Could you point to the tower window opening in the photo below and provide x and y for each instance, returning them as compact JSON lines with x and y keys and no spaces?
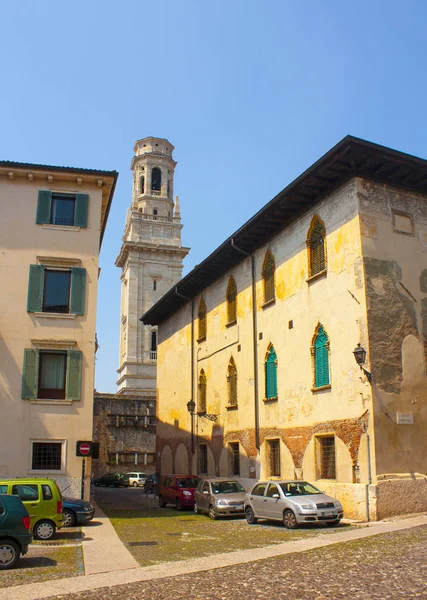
{"x":141,"y":184}
{"x":155,"y":213}
{"x":154,"y":285}
{"x":154,"y":341}
{"x":156,"y":179}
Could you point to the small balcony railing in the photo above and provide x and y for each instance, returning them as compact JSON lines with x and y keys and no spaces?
{"x":132,"y":421}
{"x":153,"y":355}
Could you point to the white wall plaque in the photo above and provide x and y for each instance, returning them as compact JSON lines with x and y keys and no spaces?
{"x":405,"y":418}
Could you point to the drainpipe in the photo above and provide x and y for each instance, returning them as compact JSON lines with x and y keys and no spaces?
{"x":368,"y":442}
{"x":255,"y":345}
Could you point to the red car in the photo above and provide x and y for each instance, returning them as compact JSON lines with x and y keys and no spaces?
{"x":178,"y":490}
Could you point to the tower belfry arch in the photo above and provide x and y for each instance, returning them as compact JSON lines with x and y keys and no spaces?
{"x":150,"y":258}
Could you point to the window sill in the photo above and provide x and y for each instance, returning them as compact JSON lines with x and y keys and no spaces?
{"x":49,"y":315}
{"x":52,"y":401}
{"x":318,"y":275}
{"x":321,"y":388}
{"x":202,"y":339}
{"x":231,"y":323}
{"x":61,"y":227}
{"x":269,"y":303}
{"x":231,"y":407}
{"x":270,"y":400}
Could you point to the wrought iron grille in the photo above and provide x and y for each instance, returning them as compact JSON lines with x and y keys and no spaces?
{"x":274,"y":447}
{"x":326,"y":457}
{"x":46,"y":456}
{"x":235,"y":458}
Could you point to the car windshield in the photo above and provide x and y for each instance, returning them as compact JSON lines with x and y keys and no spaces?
{"x":300,"y":488}
{"x":226,"y":487}
{"x":188,"y":482}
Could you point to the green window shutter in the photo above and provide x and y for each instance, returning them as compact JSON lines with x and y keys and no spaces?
{"x":43,"y":207}
{"x":35,"y":288}
{"x":77,"y":293}
{"x":271,"y":375}
{"x":74,"y":375}
{"x":321,"y":359}
{"x":81,"y":210}
{"x":30,"y":373}
{"x":325,"y":365}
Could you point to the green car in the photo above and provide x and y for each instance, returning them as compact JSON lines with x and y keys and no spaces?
{"x":43,"y":501}
{"x":15,"y":533}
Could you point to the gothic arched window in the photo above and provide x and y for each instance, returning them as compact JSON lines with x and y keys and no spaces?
{"x":156,"y":179}
{"x":270,"y":373}
{"x":141,"y":184}
{"x":202,"y":319}
{"x":231,"y":301}
{"x":201,"y":398}
{"x":316,"y":242}
{"x":320,"y":354}
{"x":268,"y":270}
{"x":232,"y":383}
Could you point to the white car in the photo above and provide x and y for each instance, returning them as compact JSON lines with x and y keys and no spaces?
{"x":136,"y":479}
{"x":293,"y":503}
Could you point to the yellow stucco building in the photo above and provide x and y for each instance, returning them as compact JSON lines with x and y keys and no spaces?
{"x":53,"y":221}
{"x":261,"y":337}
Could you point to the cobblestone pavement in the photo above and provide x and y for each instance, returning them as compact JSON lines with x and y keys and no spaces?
{"x":390,"y":566}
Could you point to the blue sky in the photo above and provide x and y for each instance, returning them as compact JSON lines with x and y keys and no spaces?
{"x":249,"y":93}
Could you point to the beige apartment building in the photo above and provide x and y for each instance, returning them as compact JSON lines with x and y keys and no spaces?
{"x":53,"y":221}
{"x":256,"y":369}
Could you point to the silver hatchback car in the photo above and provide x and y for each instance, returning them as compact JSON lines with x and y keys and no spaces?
{"x":293,"y":502}
{"x":219,"y":497}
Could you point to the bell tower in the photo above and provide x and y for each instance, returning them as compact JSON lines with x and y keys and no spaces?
{"x":150,"y":258}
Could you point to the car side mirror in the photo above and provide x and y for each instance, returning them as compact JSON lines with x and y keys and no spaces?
{"x":276,"y":496}
{"x":206,"y":493}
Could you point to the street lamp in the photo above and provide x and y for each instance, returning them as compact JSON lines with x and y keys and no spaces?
{"x":191,"y":407}
{"x":360,"y":357}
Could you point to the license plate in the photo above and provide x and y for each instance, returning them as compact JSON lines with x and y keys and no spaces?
{"x":327,"y":513}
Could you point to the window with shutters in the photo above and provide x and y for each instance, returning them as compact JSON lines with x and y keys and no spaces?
{"x":325,"y":457}
{"x":232,"y":384}
{"x":201,"y":314}
{"x":56,"y":290}
{"x":231,"y":301}
{"x":271,"y":374}
{"x":320,"y":355}
{"x":67,"y":210}
{"x":268,"y":271}
{"x":201,"y":397}
{"x":316,"y":247}
{"x":51,"y":374}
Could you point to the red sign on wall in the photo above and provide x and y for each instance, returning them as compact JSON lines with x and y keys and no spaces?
{"x":84,"y":449}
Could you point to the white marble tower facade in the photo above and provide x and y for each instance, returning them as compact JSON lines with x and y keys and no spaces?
{"x":151,"y":261}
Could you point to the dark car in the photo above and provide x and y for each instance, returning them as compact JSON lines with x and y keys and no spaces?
{"x":113,"y":479}
{"x":178,"y":490}
{"x":15,"y":533}
{"x":76,"y":512}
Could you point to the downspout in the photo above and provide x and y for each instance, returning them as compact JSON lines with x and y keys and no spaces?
{"x":192,"y":361}
{"x":255,"y":345}
{"x":368,"y":447}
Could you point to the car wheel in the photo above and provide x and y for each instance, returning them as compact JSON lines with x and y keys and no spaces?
{"x":332,"y":523}
{"x":212,"y":513}
{"x":9,"y":554}
{"x":135,"y":484}
{"x":69,"y":518}
{"x":162,"y":502}
{"x":178,"y":504}
{"x":289,"y":520}
{"x":196,"y":508}
{"x":250,"y":516}
{"x":44,"y":530}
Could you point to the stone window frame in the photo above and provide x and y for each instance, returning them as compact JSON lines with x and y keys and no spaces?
{"x":402,"y":213}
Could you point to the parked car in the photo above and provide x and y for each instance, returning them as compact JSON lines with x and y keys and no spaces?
{"x":293,"y":502}
{"x":112,"y":479}
{"x":43,"y":500}
{"x":15,"y":534}
{"x":76,"y":512}
{"x":178,"y":490}
{"x":219,"y":497}
{"x":137,"y":479}
{"x":150,"y":484}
